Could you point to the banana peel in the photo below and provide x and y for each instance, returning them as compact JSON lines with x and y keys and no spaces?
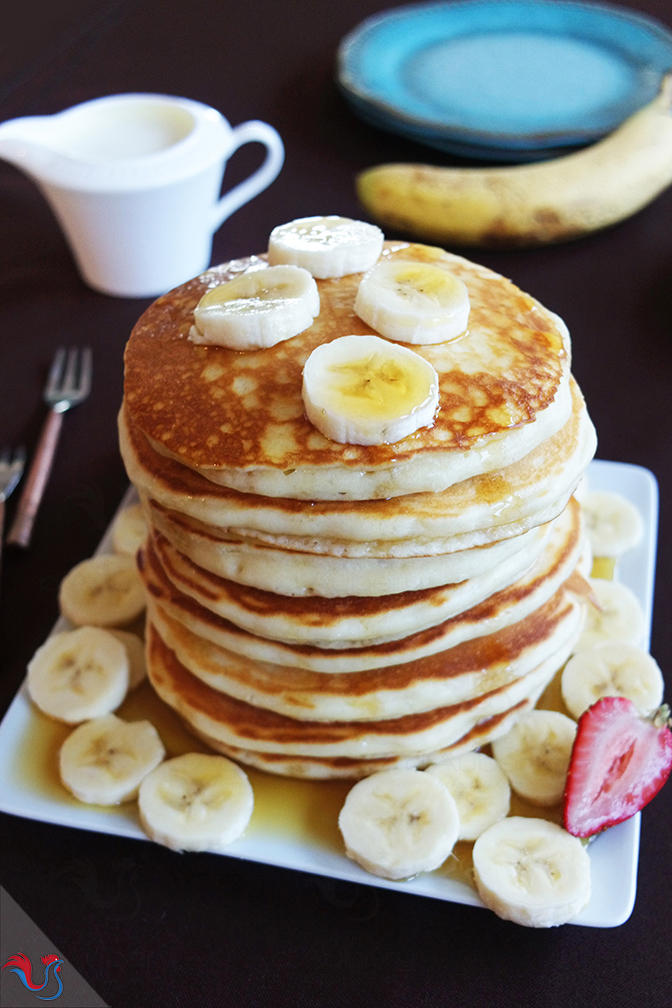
{"x":520,"y":206}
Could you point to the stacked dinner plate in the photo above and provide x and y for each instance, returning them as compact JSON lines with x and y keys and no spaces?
{"x":325,"y":609}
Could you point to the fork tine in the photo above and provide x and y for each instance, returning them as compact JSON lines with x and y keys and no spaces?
{"x":68,"y":385}
{"x":10,"y":472}
{"x":85,"y":372}
{"x":68,"y":382}
{"x":55,"y":372}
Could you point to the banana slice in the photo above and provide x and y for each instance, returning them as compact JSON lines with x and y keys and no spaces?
{"x":397,"y":823}
{"x":103,"y":761}
{"x":135,"y":652}
{"x":619,"y":617}
{"x":480,"y":789}
{"x":532,"y":872}
{"x":534,"y":755}
{"x":196,"y":802}
{"x":129,"y":530}
{"x":78,"y":675}
{"x":612,"y":668}
{"x":413,"y":302}
{"x":364,"y":390}
{"x":613,"y":524}
{"x":257,"y":309}
{"x":326,"y":246}
{"x":103,"y":591}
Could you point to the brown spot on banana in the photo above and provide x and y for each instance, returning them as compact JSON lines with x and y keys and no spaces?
{"x":530,"y":204}
{"x":548,"y":228}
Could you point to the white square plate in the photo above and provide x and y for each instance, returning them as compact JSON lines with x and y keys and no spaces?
{"x":294,"y":822}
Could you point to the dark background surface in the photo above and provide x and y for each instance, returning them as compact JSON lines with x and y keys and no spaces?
{"x":147,"y":927}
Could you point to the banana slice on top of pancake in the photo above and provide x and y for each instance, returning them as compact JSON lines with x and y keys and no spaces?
{"x":257,"y":309}
{"x":326,"y":246}
{"x":365,"y":390}
{"x":413,"y":302}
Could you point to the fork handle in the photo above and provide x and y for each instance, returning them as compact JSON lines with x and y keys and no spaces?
{"x":2,"y":526}
{"x":33,"y":488}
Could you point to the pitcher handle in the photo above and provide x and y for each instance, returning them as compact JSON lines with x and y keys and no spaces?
{"x":249,"y":132}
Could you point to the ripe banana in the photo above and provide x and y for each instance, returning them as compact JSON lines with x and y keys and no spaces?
{"x":103,"y":761}
{"x":196,"y":802}
{"x":397,"y":823}
{"x":612,"y":668}
{"x":530,"y":204}
{"x":257,"y":309}
{"x":413,"y":302}
{"x":103,"y":591}
{"x":480,"y":789}
{"x":534,"y":755}
{"x":532,"y":872}
{"x":326,"y":246}
{"x":366,"y":390}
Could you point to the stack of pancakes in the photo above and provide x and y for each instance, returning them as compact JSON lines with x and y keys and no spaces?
{"x":319,"y":609}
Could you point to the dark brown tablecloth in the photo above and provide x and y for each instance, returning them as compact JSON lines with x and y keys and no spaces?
{"x":145,"y":926}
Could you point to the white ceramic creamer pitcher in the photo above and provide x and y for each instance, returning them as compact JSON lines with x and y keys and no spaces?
{"x":135,"y":181}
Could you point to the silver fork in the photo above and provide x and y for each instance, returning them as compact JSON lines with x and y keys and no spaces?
{"x":11,"y":470}
{"x":68,"y":385}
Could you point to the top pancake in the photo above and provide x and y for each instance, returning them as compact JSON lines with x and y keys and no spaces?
{"x":238,"y":417}
{"x":492,"y":506}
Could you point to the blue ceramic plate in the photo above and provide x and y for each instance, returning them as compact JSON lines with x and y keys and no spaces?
{"x":503,"y":78}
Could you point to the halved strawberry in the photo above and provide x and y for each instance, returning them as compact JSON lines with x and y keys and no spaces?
{"x":619,"y":761}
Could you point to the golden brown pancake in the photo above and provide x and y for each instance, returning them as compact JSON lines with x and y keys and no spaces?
{"x":478,"y":510}
{"x":447,"y":677}
{"x":293,"y":572}
{"x":243,"y":725}
{"x":239,"y":419}
{"x":343,"y":767}
{"x":417,"y":623}
{"x":321,"y":609}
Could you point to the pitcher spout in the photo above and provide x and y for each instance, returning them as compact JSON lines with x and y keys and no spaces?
{"x":22,"y":142}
